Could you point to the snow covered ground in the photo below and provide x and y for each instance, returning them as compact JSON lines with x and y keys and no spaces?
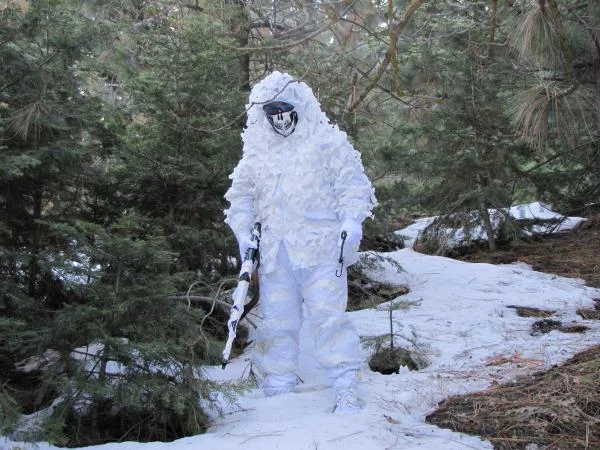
{"x":460,"y":321}
{"x":535,"y":210}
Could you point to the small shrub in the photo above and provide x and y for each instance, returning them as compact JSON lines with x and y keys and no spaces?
{"x":388,"y":360}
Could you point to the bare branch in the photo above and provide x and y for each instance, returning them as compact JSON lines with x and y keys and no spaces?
{"x":395,"y":31}
{"x":311,"y":34}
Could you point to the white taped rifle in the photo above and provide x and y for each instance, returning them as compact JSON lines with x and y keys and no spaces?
{"x":241,"y":291}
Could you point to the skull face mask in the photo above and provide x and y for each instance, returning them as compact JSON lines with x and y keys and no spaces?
{"x":282,"y":117}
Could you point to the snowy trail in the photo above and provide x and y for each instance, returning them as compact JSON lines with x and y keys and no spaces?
{"x":462,"y":323}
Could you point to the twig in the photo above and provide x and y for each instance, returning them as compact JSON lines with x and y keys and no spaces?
{"x":339,"y":438}
{"x":286,"y":46}
{"x":199,"y":299}
{"x":239,"y":116}
{"x":260,"y":436}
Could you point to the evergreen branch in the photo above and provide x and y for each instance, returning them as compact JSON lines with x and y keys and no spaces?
{"x":365,"y":29}
{"x":562,"y":39}
{"x":439,"y":37}
{"x":552,"y":158}
{"x":594,"y":32}
{"x":8,"y":39}
{"x":43,"y":63}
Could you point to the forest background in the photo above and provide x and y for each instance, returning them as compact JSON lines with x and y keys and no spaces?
{"x":120,"y":122}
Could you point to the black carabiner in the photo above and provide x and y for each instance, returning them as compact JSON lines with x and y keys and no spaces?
{"x":338,"y":273}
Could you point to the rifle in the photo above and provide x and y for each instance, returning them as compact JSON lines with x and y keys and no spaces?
{"x":239,"y":294}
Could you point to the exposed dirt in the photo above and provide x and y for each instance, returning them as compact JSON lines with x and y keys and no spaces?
{"x":556,"y":409}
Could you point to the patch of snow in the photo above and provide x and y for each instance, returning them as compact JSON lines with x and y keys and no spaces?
{"x":460,"y":320}
{"x":535,"y":210}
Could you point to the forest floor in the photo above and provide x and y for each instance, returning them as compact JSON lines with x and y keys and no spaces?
{"x":552,"y":410}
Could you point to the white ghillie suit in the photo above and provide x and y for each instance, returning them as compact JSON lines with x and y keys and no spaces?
{"x":304,"y":189}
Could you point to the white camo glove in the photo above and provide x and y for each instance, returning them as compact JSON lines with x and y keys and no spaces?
{"x":353,"y":230}
{"x":245,"y":242}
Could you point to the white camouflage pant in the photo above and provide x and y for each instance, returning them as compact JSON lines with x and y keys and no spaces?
{"x":324,"y":295}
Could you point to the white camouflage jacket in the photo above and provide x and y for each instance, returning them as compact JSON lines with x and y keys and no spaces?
{"x":301,"y":187}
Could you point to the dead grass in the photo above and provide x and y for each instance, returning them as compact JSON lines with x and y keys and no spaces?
{"x":556,"y":409}
{"x":589,"y":314}
{"x":528,"y":311}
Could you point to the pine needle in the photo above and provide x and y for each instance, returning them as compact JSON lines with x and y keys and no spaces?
{"x":538,"y":39}
{"x":554,"y":111}
{"x":29,"y":120}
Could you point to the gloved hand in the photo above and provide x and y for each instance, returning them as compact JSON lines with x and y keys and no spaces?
{"x":353,"y":230}
{"x":245,"y":242}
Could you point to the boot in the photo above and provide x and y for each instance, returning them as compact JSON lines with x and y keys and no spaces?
{"x":279,"y":384}
{"x":346,"y":393}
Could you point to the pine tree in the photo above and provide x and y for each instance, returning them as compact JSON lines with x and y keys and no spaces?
{"x":464,"y":152}
{"x":557,"y":110}
{"x":44,"y":120}
{"x":108,"y":209}
{"x":46,"y":152}
{"x":184,"y":139}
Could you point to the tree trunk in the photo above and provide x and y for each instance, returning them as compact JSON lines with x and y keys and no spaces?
{"x":35,"y":247}
{"x":492,"y":29}
{"x":485,"y":217}
{"x":240,"y":30}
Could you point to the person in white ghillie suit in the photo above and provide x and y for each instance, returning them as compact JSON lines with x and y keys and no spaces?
{"x":305,"y":183}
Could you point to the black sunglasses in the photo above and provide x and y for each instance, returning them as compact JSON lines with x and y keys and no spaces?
{"x":277,"y":107}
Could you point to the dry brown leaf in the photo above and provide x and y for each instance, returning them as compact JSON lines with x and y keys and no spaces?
{"x":390,"y":419}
